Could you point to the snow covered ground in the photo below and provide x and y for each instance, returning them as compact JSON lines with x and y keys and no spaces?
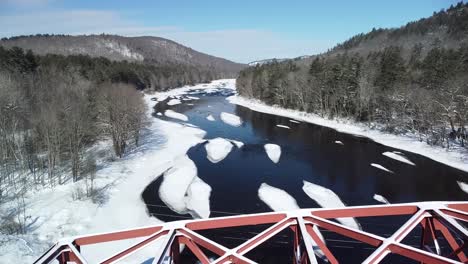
{"x":56,"y":214}
{"x":456,"y":157}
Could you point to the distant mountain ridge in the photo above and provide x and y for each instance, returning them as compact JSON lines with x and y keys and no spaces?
{"x":146,"y":49}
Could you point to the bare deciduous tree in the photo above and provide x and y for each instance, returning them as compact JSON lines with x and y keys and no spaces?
{"x":122,"y":114}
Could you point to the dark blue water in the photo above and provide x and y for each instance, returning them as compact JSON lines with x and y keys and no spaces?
{"x":309,"y":153}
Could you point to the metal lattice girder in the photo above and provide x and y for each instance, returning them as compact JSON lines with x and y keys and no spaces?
{"x":434,"y":218}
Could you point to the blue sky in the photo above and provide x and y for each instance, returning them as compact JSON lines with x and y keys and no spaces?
{"x":239,"y":30}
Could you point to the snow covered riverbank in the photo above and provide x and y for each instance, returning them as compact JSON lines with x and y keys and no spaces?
{"x":455,"y":157}
{"x":55,"y":214}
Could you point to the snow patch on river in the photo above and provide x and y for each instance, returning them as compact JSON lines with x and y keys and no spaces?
{"x":380,"y":167}
{"x":328,"y":199}
{"x":381,"y":199}
{"x":175,"y":115}
{"x":176,"y":183}
{"x":276,"y":199}
{"x":273,"y":151}
{"x":238,"y":144}
{"x":217,"y":149}
{"x":231,"y":119}
{"x":283,"y":126}
{"x":207,"y":87}
{"x":198,"y":198}
{"x":463,"y":186}
{"x":398,"y":157}
{"x":279,"y":200}
{"x":210,"y":118}
{"x":174,"y":102}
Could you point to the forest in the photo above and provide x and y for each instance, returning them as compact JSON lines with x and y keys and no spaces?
{"x":404,"y":80}
{"x":53,"y":108}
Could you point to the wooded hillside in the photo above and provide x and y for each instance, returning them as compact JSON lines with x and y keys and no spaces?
{"x":410,"y":79}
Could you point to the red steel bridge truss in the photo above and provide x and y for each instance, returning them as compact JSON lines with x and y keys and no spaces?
{"x":435,"y":222}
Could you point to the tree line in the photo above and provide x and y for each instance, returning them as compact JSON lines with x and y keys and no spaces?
{"x":53,"y":108}
{"x":422,"y":93}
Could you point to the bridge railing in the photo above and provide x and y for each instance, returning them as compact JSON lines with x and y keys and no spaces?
{"x":437,"y":221}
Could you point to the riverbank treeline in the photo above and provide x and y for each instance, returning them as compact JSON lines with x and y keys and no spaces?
{"x":411,"y":79}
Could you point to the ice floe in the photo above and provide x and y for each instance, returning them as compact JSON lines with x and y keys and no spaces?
{"x":159,"y":114}
{"x":276,"y":199}
{"x":210,"y":118}
{"x":183,"y":192}
{"x":231,"y":119}
{"x":217,"y":149}
{"x":273,"y":151}
{"x":279,"y":200}
{"x":283,"y":126}
{"x":176,"y":182}
{"x":175,"y":115}
{"x":378,"y":166}
{"x":463,"y":186}
{"x":381,"y":199}
{"x":339,"y":142}
{"x":189,"y":125}
{"x":294,"y":121}
{"x":173,"y":102}
{"x":198,"y":198}
{"x":399,"y":157}
{"x":238,"y":144}
{"x":328,"y":199}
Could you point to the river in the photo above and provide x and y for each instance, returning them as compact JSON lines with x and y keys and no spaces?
{"x":320,"y":155}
